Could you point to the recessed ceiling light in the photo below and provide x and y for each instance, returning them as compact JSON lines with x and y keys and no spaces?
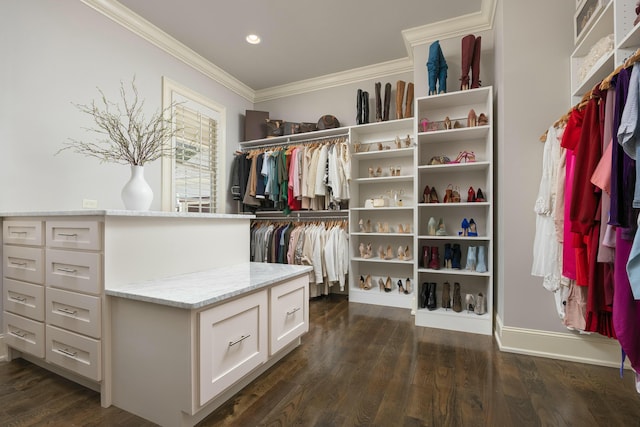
{"x":253,"y":39}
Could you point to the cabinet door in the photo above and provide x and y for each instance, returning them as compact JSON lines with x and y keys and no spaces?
{"x":24,"y":334}
{"x":22,"y":232}
{"x":74,"y":235}
{"x":233,"y":341}
{"x":24,"y":299}
{"x":289,"y":313}
{"x":24,"y":263}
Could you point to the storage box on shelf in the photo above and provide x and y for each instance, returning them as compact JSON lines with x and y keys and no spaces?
{"x":457,"y":161}
{"x":381,"y":213}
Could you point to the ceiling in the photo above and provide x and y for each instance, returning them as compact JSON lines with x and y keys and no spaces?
{"x":301,"y":39}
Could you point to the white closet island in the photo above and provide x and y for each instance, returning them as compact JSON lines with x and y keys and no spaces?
{"x":161,"y":312}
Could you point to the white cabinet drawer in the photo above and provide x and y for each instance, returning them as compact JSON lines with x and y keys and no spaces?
{"x":233,"y":342}
{"x":75,"y":271}
{"x":74,"y":352}
{"x":24,"y":263}
{"x":74,"y":235}
{"x":24,"y":334}
{"x":289,"y":312}
{"x":24,"y":299}
{"x":76,"y":312}
{"x":22,"y":232}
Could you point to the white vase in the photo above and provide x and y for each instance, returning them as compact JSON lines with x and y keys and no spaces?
{"x":136,"y":193}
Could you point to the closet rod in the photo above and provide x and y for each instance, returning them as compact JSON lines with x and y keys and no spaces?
{"x":299,"y":218}
{"x":300,"y":141}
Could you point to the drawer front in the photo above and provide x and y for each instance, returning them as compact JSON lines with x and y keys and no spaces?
{"x":24,"y":299}
{"x":233,"y":341}
{"x":22,"y":233}
{"x":74,"y":352}
{"x":74,"y":235}
{"x":77,"y":312}
{"x":24,"y":334}
{"x":24,"y":263}
{"x":289,"y":312}
{"x":74,"y":271}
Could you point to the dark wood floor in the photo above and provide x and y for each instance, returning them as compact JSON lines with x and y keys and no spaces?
{"x":368,"y":365}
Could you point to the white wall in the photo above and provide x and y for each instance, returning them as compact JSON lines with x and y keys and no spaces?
{"x":56,"y":53}
{"x":533,"y":45}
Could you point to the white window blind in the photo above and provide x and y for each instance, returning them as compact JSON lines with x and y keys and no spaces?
{"x":196,"y":161}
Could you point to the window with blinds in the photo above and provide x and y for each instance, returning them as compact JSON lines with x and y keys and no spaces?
{"x":196,"y":161}
{"x":193,"y":177}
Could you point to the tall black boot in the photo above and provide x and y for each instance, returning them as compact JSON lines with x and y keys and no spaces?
{"x":432,"y":303}
{"x":359,"y":107}
{"x":424,"y":294}
{"x":387,"y":102}
{"x":378,"y":102}
{"x":365,"y":107}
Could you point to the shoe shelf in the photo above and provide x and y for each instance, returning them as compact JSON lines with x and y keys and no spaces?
{"x":383,"y":168}
{"x":470,"y":148}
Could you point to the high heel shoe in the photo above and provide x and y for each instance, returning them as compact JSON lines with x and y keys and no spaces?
{"x":426,"y":194}
{"x":483,"y":120}
{"x":471,"y":195}
{"x":400,"y":287}
{"x":389,"y":252}
{"x":401,"y":253}
{"x":455,"y":195}
{"x":447,"y":123}
{"x":381,"y":284}
{"x":387,"y":285}
{"x":367,"y":282}
{"x":407,"y":286}
{"x":472,"y":119}
{"x":369,"y":252}
{"x":473,"y":230}
{"x":361,"y":283}
{"x":407,"y":253}
{"x":469,"y":157}
{"x":361,"y":225}
{"x":481,"y":266}
{"x":441,"y":231}
{"x":480,"y":196}
{"x":381,"y":253}
{"x":448,"y":194}
{"x":481,"y":304}
{"x":433,"y":196}
{"x":362,"y":250}
{"x":465,"y":228}
{"x":470,"y":303}
{"x":431,"y":227}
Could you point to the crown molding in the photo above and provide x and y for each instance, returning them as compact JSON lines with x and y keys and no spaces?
{"x":354,"y":75}
{"x":451,"y":28}
{"x":143,"y":28}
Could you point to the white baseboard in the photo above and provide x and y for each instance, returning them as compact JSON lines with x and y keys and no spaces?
{"x":572,"y":346}
{"x":4,"y":352}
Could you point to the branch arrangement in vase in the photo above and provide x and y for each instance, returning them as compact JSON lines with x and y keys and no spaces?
{"x":127,"y":136}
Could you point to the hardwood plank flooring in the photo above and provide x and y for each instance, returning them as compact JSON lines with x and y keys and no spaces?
{"x":364,"y":365}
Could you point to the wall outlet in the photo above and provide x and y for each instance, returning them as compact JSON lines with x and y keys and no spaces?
{"x":89,"y":204}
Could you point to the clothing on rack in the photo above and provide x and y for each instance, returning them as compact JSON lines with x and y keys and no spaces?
{"x":322,"y":245}
{"x":599,"y":267}
{"x":314,"y":175}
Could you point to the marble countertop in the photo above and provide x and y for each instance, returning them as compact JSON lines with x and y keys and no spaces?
{"x":199,"y":289}
{"x":115,"y":212}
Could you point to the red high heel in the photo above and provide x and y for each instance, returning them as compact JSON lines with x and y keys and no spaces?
{"x":471,"y":195}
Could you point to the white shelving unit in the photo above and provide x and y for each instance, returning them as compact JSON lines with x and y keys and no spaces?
{"x":615,"y":17}
{"x":460,"y":176}
{"x":397,"y":211}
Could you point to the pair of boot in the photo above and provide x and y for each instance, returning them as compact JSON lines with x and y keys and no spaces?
{"x":452,"y":256}
{"x":382,"y":115}
{"x":428,"y":296}
{"x":400,"y":85}
{"x":362,"y":109}
{"x":430,"y":257}
{"x":471,"y":47}
{"x":477,"y":259}
{"x":436,"y":69}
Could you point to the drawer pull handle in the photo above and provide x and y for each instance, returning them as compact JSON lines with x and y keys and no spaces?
{"x":68,"y":234}
{"x":289,"y":313}
{"x":18,"y":334}
{"x":18,"y":232}
{"x":68,"y":352}
{"x":19,"y":264}
{"x":67,"y":311}
{"x":242,"y":338}
{"x":67,"y":270}
{"x":18,"y":299}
